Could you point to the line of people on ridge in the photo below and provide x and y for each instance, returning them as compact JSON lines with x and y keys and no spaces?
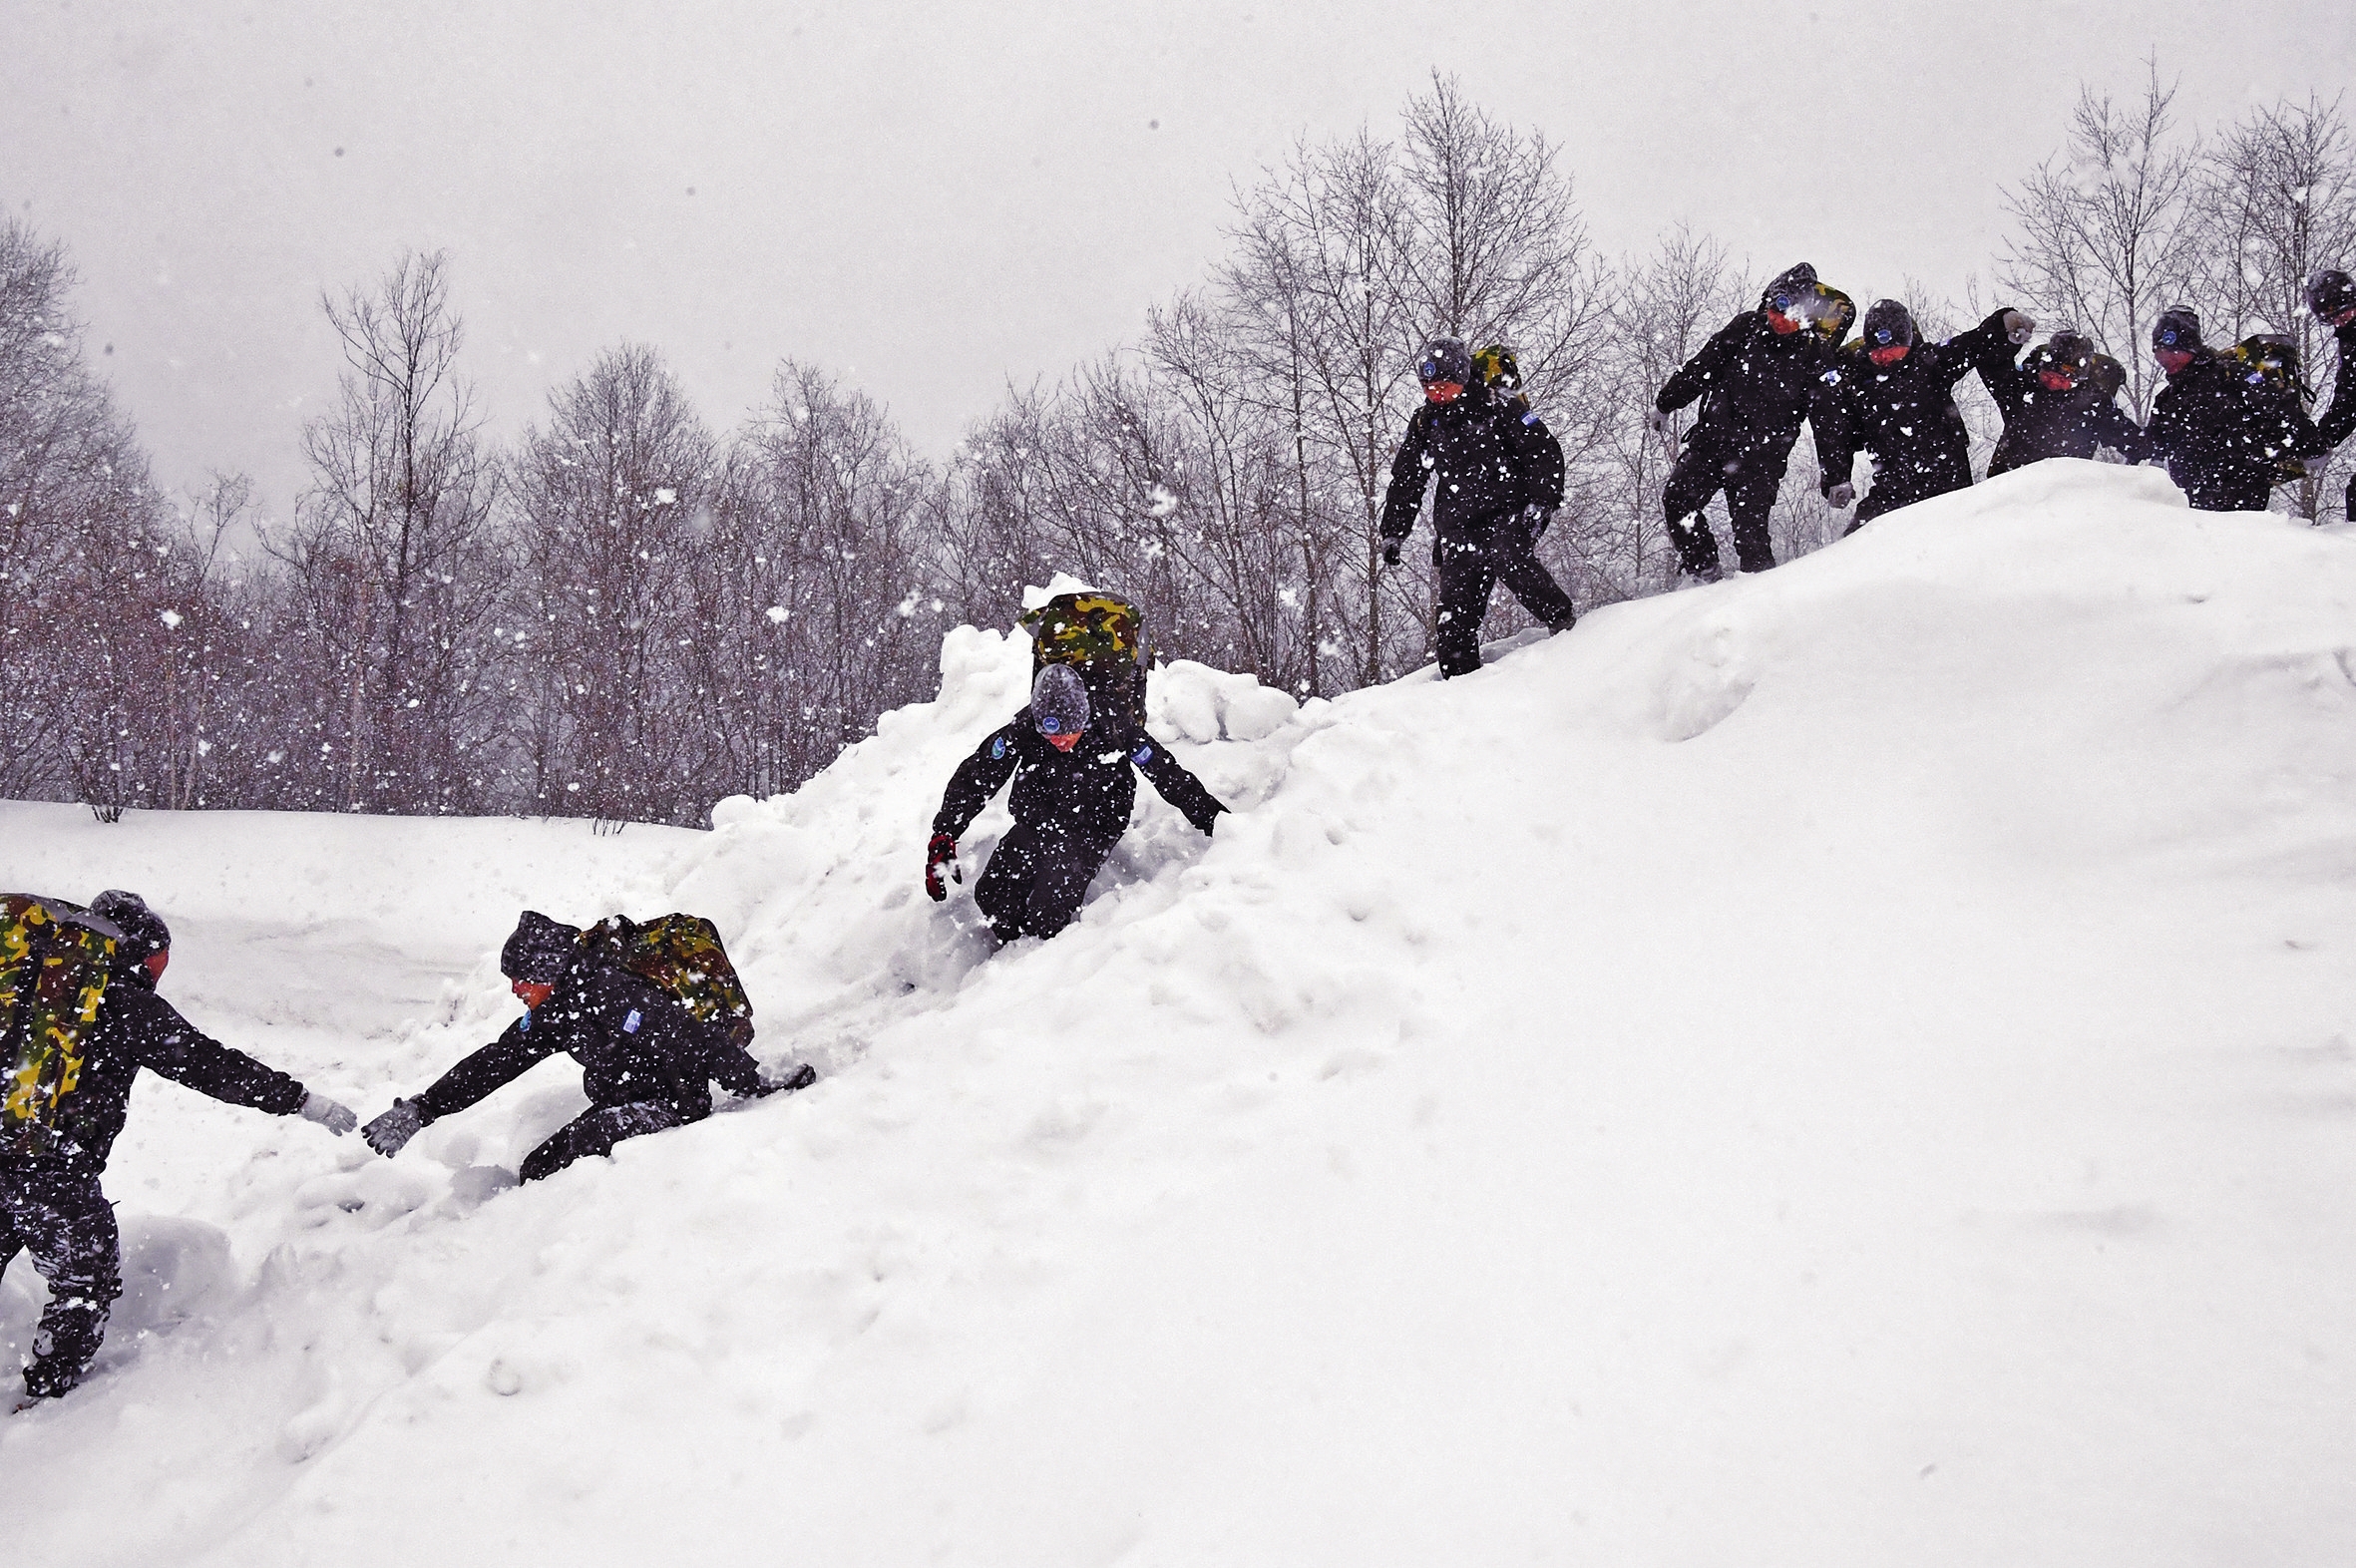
{"x":2230,"y":424}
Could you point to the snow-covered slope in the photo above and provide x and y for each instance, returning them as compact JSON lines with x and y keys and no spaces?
{"x":1848,"y":1066}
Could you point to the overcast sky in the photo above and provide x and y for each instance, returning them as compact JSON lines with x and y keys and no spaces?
{"x":934,"y":201}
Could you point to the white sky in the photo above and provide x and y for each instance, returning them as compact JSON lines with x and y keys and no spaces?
{"x":935,"y":199}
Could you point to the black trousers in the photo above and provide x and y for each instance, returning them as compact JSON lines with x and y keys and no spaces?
{"x":1750,"y":483}
{"x":68,"y":1226}
{"x":1038,"y":876}
{"x":1472,"y":561}
{"x":2241,"y":492}
{"x":596,"y":1131}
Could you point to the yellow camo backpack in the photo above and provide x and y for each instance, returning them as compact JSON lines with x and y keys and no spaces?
{"x":1101,"y":636}
{"x":54,"y":961}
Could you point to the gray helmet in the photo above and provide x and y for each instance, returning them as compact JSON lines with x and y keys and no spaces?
{"x":1060,"y":701}
{"x":1444,"y":359}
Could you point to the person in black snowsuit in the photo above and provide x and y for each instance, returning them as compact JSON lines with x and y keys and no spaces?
{"x":1759,"y":378}
{"x":1895,"y":398}
{"x":50,"y":1202}
{"x":647,"y":1063}
{"x":1498,"y":474}
{"x":1075,"y":782}
{"x":2061,"y":401}
{"x":2228,"y":437}
{"x":2332,"y":296}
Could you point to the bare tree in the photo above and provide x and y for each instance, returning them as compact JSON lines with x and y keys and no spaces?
{"x":2279,"y":203}
{"x":398,"y":516}
{"x":2109,"y":228}
{"x":603,"y":499}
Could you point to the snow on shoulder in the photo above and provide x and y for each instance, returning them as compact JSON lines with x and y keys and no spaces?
{"x":1845,"y":1065}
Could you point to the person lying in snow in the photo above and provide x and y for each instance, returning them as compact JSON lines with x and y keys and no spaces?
{"x":1074,"y":784}
{"x":51,"y":1204}
{"x":646,"y":1062}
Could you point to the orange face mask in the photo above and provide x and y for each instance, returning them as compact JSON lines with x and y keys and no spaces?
{"x":1444,"y":391}
{"x":2057,"y":380}
{"x":1888,"y":355}
{"x":1783,"y":324}
{"x":1063,"y":742}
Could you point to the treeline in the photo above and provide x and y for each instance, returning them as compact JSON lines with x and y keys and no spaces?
{"x":626,"y":615}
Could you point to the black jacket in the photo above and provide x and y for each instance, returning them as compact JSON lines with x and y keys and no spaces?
{"x":2340,"y":420}
{"x":1489,"y":455}
{"x":633,"y":1039}
{"x":1091,"y":787}
{"x":1905,"y":415}
{"x":2040,"y":424}
{"x":1757,"y":386}
{"x":2228,"y":440}
{"x":137,"y":1028}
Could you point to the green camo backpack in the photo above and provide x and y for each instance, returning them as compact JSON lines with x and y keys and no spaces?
{"x":683,"y":955}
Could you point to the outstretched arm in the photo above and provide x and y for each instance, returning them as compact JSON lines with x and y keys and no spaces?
{"x":501,"y":1062}
{"x":978,"y":778}
{"x":170,"y":1045}
{"x":1176,"y":785}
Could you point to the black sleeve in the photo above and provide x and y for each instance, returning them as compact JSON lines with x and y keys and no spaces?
{"x":2166,"y":430}
{"x":164,"y":1042}
{"x":2006,"y":382}
{"x":1700,"y":373}
{"x":2340,"y":420}
{"x":2114,"y":428}
{"x":1968,"y":352}
{"x":1541,"y":459}
{"x":504,"y":1060}
{"x":978,"y":778}
{"x":1174,"y":783}
{"x":1833,"y":422}
{"x":1409,"y":472}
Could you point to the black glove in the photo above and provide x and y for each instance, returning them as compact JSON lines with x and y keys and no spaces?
{"x":1391,"y":552}
{"x":800,"y":1078}
{"x":1537,"y":519}
{"x":943,"y":851}
{"x":389,"y":1132}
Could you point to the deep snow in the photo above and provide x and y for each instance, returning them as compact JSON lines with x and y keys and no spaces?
{"x":1846,"y":1067}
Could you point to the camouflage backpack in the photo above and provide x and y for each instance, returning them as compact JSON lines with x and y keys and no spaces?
{"x":2268,"y":359}
{"x":55,"y":959}
{"x":1103,"y":637}
{"x":682,"y":955}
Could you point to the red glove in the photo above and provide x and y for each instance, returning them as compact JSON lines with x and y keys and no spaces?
{"x":943,"y":851}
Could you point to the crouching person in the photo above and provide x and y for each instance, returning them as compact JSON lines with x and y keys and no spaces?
{"x":647,"y":1062}
{"x":1075,"y":782}
{"x":79,"y":1018}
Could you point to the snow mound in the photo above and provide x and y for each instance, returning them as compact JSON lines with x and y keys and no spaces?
{"x":1848,"y":1065}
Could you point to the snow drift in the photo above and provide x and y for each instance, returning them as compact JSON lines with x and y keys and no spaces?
{"x":1845,"y":1066}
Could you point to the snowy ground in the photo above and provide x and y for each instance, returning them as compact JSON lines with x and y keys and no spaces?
{"x":1849,"y":1066}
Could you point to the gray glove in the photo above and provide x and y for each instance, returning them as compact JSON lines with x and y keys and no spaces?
{"x":2316,"y":465}
{"x":389,"y":1132}
{"x":337,"y":1118}
{"x":1843,"y":495}
{"x":2018,"y":328}
{"x":2109,"y":455}
{"x":1537,"y":519}
{"x":1656,"y":422}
